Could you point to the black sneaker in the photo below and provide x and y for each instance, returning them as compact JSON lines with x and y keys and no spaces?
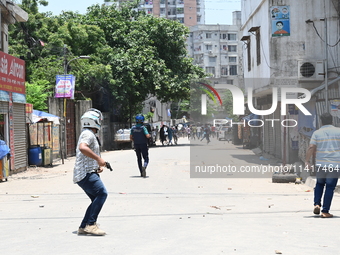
{"x":143,"y":172}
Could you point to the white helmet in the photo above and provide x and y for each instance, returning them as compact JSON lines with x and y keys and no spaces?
{"x":92,"y":118}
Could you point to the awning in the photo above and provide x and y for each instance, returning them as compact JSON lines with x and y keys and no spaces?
{"x":254,"y":117}
{"x":40,"y":115}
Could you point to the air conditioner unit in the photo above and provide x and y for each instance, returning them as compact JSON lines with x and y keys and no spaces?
{"x":311,"y":70}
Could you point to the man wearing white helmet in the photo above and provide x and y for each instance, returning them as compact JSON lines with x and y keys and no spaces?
{"x":87,"y":167}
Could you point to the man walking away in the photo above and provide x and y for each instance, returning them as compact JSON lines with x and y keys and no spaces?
{"x":325,"y":142}
{"x":140,"y":135}
{"x":86,"y":171}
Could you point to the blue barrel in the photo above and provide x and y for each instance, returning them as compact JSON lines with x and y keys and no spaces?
{"x":34,"y":156}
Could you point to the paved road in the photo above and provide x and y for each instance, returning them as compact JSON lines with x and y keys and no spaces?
{"x":166,"y":213}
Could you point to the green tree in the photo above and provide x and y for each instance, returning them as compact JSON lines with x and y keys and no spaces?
{"x":37,"y":94}
{"x":149,"y":56}
{"x":133,"y":55}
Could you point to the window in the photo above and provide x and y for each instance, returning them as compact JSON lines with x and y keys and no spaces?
{"x":223,"y":36}
{"x":208,"y":47}
{"x":180,"y":20}
{"x":258,"y":46}
{"x":232,"y":48}
{"x":212,"y":59}
{"x":256,"y":31}
{"x":199,"y":59}
{"x":197,"y":48}
{"x":198,"y":9}
{"x":231,"y":37}
{"x":224,"y":47}
{"x":224,"y":70}
{"x":180,"y":10}
{"x":162,"y":10}
{"x":231,"y":82}
{"x":248,"y":55}
{"x":198,"y":18}
{"x":232,"y":59}
{"x":233,"y":70}
{"x":208,"y":35}
{"x":210,"y":70}
{"x":246,"y":41}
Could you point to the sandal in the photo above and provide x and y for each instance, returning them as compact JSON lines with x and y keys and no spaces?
{"x":326,"y":215}
{"x":316,"y":209}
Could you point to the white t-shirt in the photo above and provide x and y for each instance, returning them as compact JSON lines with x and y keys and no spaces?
{"x":84,"y":164}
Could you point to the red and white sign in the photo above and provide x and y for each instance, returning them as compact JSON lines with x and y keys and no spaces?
{"x":12,"y":74}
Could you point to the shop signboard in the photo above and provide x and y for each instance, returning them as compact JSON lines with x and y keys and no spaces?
{"x":12,"y":74}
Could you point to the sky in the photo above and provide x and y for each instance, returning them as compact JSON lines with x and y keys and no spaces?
{"x":216,"y":11}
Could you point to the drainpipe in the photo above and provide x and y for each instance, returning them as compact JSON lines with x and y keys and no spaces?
{"x":326,"y":64}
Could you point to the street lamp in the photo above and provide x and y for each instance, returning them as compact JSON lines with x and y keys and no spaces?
{"x":80,"y":57}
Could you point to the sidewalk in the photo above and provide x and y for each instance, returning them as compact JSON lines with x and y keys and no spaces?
{"x":166,"y":213}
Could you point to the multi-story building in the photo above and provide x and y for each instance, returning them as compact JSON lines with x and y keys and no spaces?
{"x":291,"y":44}
{"x":217,"y":48}
{"x":187,"y":12}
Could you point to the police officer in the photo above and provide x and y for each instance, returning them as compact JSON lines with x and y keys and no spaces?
{"x":140,"y":135}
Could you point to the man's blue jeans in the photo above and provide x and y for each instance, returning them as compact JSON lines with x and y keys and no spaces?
{"x":142,"y":150}
{"x":329,"y":179}
{"x":95,"y":190}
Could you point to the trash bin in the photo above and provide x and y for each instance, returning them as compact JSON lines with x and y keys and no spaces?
{"x":47,"y":156}
{"x":34,"y":155}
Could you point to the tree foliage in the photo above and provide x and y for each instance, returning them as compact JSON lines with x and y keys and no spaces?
{"x":133,"y":55}
{"x":37,"y":94}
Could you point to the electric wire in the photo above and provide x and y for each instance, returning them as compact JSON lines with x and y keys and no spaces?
{"x":318,"y":34}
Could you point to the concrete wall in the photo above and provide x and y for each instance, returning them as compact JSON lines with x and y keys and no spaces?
{"x":281,"y":55}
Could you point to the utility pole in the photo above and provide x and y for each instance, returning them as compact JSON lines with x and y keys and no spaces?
{"x":326,"y":65}
{"x":63,"y":122}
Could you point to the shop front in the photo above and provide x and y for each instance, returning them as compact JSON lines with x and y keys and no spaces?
{"x":12,"y":114}
{"x":43,"y":139}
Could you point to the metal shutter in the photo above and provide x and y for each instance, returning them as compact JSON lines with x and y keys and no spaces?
{"x":20,"y":144}
{"x":3,"y":107}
